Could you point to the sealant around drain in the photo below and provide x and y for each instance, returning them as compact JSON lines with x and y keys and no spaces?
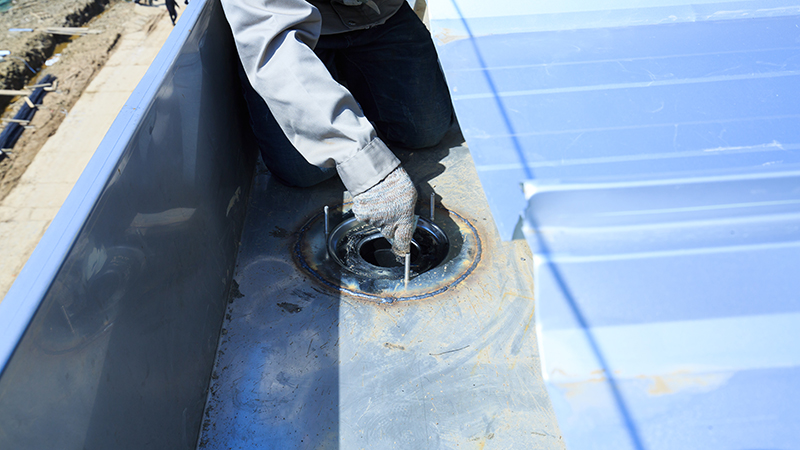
{"x":354,"y":258}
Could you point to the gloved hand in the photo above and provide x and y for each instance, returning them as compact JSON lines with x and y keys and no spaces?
{"x":389,"y":207}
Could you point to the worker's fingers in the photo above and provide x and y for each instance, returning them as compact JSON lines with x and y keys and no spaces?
{"x":403,"y":232}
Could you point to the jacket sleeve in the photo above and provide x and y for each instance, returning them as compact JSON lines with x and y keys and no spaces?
{"x":320,"y":117}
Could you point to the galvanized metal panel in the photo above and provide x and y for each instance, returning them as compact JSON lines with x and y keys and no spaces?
{"x":658,"y":145}
{"x":114,"y":321}
{"x":303,"y":366}
{"x":666,"y":318}
{"x":688,"y":96}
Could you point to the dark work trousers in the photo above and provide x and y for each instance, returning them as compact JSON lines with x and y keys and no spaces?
{"x":393,"y":72}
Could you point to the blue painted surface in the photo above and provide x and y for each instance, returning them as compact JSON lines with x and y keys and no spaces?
{"x":680,"y":298}
{"x":454,"y":19}
{"x":626,"y":103}
{"x":657,"y":148}
{"x":725,"y":410}
{"x":108,"y":335}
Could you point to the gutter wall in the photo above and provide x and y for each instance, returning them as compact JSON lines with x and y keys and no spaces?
{"x":110,"y":331}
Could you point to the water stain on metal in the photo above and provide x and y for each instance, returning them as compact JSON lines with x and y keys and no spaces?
{"x":449,"y":351}
{"x":447,"y":35}
{"x":389,"y":345}
{"x":577,"y":388}
{"x":290,"y":308}
{"x":308,"y":296}
{"x":234,"y":292}
{"x":280,"y":233}
{"x":685,"y":381}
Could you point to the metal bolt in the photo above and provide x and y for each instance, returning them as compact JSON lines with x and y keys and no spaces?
{"x":433,"y":199}
{"x":408,"y":268}
{"x":327,"y":232}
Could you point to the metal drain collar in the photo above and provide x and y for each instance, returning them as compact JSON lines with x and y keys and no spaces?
{"x":355,"y":259}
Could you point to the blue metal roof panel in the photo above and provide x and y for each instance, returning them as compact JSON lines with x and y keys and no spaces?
{"x":714,"y":410}
{"x":609,"y":103}
{"x":658,"y":149}
{"x":655,"y":294}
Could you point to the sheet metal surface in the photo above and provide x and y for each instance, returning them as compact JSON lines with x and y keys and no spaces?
{"x":121,"y":302}
{"x":671,"y":96}
{"x":300,"y":366}
{"x":666,"y":319}
{"x":658,"y":147}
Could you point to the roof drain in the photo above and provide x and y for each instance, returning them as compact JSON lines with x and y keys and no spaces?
{"x":356,"y":259}
{"x":361,"y":249}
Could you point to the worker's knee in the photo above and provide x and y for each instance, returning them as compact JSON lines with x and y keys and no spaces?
{"x":423,"y":140}
{"x":425,"y":132}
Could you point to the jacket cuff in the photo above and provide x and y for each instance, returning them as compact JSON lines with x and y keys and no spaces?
{"x":367,"y":167}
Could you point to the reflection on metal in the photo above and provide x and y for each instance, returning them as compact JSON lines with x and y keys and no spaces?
{"x":355,"y":259}
{"x":327,"y":222}
{"x":301,"y":366}
{"x":660,"y":153}
{"x":433,"y":205}
{"x":108,"y":335}
{"x":91,"y":298}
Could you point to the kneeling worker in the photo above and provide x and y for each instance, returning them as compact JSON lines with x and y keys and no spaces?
{"x":297,"y":57}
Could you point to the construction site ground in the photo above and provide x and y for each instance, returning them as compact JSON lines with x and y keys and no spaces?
{"x":95,"y":73}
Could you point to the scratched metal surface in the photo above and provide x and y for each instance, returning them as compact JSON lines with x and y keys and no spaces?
{"x":300,"y":366}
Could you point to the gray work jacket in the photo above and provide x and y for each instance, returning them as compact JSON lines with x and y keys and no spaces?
{"x":322,"y":120}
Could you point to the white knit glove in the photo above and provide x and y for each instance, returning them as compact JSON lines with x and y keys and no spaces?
{"x":389,"y":207}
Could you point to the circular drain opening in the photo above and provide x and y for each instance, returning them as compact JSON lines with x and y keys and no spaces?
{"x":378,"y":252}
{"x":362,"y":249}
{"x":355,"y":259}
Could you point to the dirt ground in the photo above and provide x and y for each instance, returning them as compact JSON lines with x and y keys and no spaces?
{"x":29,"y":50}
{"x":79,"y":60}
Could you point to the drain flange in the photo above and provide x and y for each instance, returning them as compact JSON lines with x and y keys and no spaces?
{"x":362,"y":250}
{"x":356,"y":259}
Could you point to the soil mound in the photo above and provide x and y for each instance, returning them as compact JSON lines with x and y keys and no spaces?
{"x":29,"y":50}
{"x":80,"y":58}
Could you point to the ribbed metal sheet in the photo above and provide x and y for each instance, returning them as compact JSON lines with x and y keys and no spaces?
{"x":658,"y":149}
{"x":303,"y":366}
